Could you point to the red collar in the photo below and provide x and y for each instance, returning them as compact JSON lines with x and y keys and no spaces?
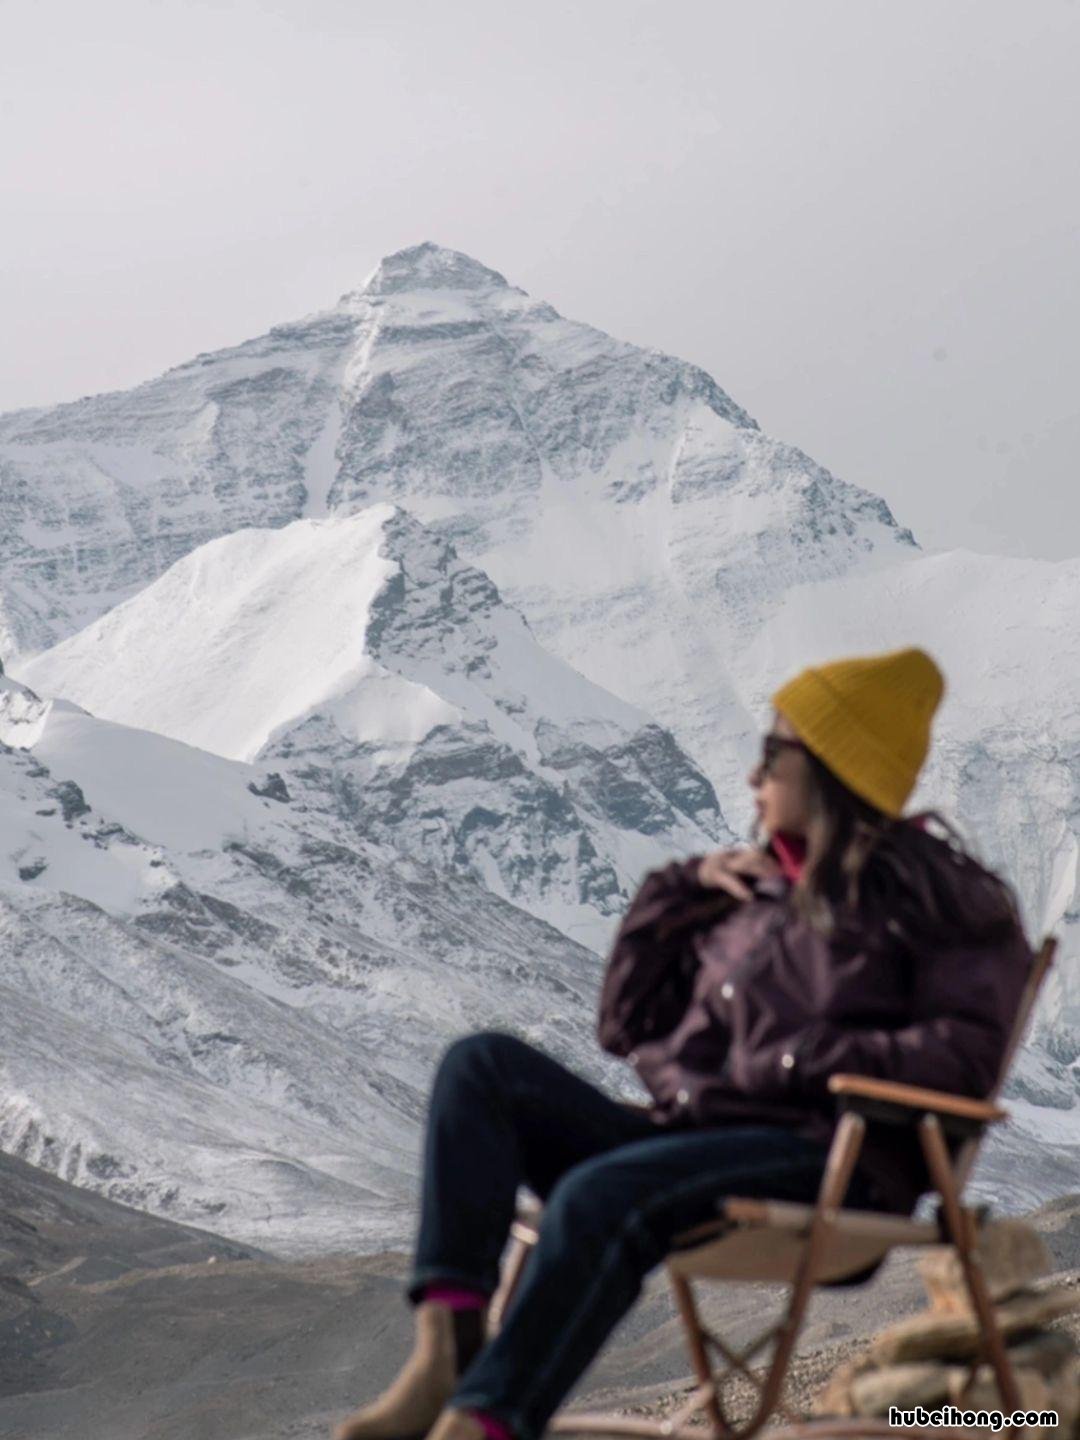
{"x":790,"y":850}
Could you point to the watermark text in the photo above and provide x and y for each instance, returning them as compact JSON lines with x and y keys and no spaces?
{"x":952,"y":1417}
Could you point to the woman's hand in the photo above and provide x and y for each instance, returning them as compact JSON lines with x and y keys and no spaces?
{"x":724,"y":869}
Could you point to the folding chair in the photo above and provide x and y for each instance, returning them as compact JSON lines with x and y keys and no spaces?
{"x":809,"y":1245}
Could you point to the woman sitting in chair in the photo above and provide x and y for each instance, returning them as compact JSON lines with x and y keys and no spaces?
{"x":850,"y":939}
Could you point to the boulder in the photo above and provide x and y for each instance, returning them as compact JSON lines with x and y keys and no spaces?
{"x":1047,"y":1351}
{"x":983,"y":1395}
{"x":1010,"y":1253}
{"x":874,"y":1391}
{"x":835,"y":1398}
{"x":933,"y":1335}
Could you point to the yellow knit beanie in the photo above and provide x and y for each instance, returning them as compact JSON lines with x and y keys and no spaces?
{"x":868,"y":720}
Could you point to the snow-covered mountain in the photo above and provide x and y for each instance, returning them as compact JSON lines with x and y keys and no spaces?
{"x":470,"y":583}
{"x":636,"y":515}
{"x":219,"y":1003}
{"x":363,"y":660}
{"x":404,"y":725}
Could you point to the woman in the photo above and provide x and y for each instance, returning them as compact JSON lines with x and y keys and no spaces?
{"x":850,"y":940}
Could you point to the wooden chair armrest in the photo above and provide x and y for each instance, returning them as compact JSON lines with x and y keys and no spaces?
{"x":914,"y":1098}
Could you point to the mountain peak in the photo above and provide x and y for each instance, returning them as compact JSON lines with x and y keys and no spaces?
{"x":430,"y":267}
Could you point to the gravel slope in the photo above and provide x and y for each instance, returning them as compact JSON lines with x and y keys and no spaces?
{"x":116,"y":1325}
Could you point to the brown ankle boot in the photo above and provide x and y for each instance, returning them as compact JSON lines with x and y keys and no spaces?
{"x":446,"y":1343}
{"x":457,"y":1425}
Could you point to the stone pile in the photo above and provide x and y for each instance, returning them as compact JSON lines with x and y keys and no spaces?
{"x":926,"y":1359}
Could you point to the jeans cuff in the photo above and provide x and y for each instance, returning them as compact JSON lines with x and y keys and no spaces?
{"x":465,"y":1399}
{"x":444,"y":1275}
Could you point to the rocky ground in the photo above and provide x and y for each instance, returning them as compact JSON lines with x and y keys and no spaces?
{"x":810,"y":1373}
{"x":115,"y":1325}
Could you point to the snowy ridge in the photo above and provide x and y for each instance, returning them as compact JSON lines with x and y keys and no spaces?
{"x":437,"y":382}
{"x":363,"y":657}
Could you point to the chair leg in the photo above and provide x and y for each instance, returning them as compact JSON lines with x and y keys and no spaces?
{"x":839,"y":1167}
{"x":962,"y":1232}
{"x":699,"y":1355}
{"x":513,"y":1265}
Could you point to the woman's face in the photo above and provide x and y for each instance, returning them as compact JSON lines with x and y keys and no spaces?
{"x":783,"y":786}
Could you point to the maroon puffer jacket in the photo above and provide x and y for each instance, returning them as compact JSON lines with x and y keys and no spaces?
{"x":745,"y":1020}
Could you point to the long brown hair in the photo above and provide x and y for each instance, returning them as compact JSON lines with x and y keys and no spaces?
{"x":916,"y":880}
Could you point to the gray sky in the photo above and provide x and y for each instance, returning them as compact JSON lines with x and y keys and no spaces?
{"x":861,"y":216}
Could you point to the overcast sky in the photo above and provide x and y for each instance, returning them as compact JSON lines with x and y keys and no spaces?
{"x":861,"y":216}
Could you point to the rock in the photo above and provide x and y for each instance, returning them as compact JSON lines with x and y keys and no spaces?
{"x":1065,"y":1396}
{"x":933,"y":1334}
{"x":835,"y":1398}
{"x":1046,"y":1366}
{"x":1010,"y":1253}
{"x":71,"y":798}
{"x":873,"y":1392}
{"x":1048,"y":1351}
{"x":983,"y":1395}
{"x":272,"y":788}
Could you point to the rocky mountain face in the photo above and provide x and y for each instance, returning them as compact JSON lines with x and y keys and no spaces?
{"x":101,"y":496}
{"x":411,"y":634}
{"x":616,"y":495}
{"x":221,"y":1004}
{"x":387,"y":682}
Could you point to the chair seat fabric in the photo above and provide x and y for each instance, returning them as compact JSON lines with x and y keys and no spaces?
{"x":771,"y":1248}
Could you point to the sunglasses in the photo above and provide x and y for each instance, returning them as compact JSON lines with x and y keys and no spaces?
{"x":772,"y":747}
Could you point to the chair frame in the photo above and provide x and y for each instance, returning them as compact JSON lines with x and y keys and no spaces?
{"x":933,"y":1114}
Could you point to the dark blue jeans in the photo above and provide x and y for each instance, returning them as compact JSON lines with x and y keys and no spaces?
{"x":616,"y":1189}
